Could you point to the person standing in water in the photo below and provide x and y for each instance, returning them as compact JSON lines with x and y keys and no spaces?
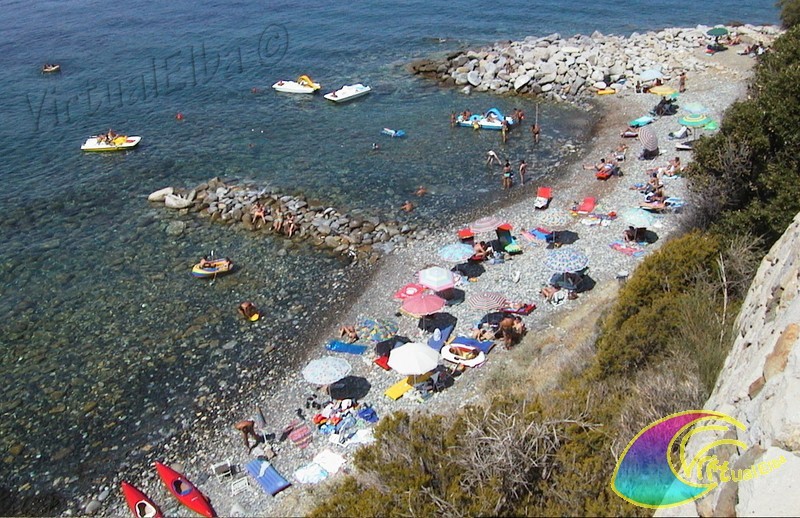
{"x":535,"y":131}
{"x":491,"y":156}
{"x":507,"y":175}
{"x":523,"y":168}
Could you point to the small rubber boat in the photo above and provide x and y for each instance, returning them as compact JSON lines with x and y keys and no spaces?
{"x":141,"y":505}
{"x":466,"y":355}
{"x":185,"y":491}
{"x":212,"y":268}
{"x":347,"y":93}
{"x":118,"y":143}
{"x":303,"y":85}
{"x":393,"y":133}
{"x":492,"y":119}
{"x":50,"y":69}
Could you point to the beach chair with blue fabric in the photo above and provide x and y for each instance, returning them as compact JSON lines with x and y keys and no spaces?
{"x":440,"y":336}
{"x":266,"y":476}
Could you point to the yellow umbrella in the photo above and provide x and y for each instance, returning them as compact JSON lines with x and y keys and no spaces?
{"x":663,"y":90}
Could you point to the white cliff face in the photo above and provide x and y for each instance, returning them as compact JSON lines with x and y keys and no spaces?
{"x":759,"y":386}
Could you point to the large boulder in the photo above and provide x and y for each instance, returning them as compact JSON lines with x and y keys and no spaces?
{"x":159,"y":195}
{"x":474,"y":78}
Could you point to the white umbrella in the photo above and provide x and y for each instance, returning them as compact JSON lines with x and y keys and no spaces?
{"x":649,"y":75}
{"x":413,"y":359}
{"x":436,"y":278}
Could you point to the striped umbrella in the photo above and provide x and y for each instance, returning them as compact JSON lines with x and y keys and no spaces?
{"x":664,"y":90}
{"x":648,"y":138}
{"x":695,"y":121}
{"x":487,"y":301}
{"x":487,"y":224}
{"x":436,"y":278}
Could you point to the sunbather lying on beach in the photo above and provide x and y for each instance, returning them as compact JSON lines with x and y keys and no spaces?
{"x":349,"y":332}
{"x":631,"y":132}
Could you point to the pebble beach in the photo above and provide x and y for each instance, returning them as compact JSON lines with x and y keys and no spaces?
{"x":556,"y":335}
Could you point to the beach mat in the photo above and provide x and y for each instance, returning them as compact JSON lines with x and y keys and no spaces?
{"x":267,"y":476}
{"x":344,"y":347}
{"x":484,"y":347}
{"x":627,"y":250}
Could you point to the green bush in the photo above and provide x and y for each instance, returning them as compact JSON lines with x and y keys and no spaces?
{"x":790,"y":12}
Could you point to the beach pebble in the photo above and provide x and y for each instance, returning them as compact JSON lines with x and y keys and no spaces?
{"x":92,"y":507}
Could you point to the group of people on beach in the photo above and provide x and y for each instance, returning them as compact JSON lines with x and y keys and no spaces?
{"x":281,"y":224}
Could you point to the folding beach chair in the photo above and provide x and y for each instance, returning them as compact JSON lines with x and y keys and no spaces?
{"x":543,"y":197}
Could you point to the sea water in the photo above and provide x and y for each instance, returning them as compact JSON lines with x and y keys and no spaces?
{"x":107,"y":342}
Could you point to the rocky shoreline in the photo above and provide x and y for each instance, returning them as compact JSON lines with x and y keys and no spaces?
{"x":363,"y":239}
{"x":576,"y":68}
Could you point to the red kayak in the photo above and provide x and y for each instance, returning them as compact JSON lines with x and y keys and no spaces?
{"x":140,"y":504}
{"x":185,"y":491}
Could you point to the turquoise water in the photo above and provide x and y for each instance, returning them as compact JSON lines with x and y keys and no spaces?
{"x":104,"y":333}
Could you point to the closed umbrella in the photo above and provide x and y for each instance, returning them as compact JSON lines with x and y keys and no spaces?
{"x":456,"y":252}
{"x":566,"y":260}
{"x":648,"y":138}
{"x":436,"y":278}
{"x":376,"y":330}
{"x":413,"y":359}
{"x":638,"y":217}
{"x":649,"y":75}
{"x":422,"y":305}
{"x":487,"y":301}
{"x":326,"y":370}
{"x":487,"y":224}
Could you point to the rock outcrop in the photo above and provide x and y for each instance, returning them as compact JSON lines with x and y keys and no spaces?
{"x":362,"y":238}
{"x":759,"y":386}
{"x":568,"y":69}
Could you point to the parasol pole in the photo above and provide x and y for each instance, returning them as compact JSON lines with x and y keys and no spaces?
{"x":537,"y":114}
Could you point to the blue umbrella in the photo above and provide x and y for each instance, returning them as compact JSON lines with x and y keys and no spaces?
{"x":638,"y":217}
{"x":566,"y":260}
{"x":456,"y":252}
{"x":695,"y":108}
{"x":376,"y":330}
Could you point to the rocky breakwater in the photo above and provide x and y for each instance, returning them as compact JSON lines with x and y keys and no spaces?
{"x":362,"y":238}
{"x":572,"y":68}
{"x":759,"y":386}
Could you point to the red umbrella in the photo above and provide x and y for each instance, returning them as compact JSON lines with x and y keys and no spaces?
{"x":422,"y":305}
{"x":409,"y":290}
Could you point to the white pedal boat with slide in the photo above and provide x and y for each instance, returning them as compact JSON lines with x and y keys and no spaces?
{"x":303,"y":85}
{"x":118,"y":143}
{"x":348,"y":92}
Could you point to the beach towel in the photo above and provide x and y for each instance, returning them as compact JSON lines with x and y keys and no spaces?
{"x":267,"y":476}
{"x":527,"y":235}
{"x":484,"y":347}
{"x":310,"y":474}
{"x":540,"y":233}
{"x":330,"y":462}
{"x":443,"y":334}
{"x":344,"y":347}
{"x":641,"y":121}
{"x":299,"y":433}
{"x":524,"y":310}
{"x":587,"y":205}
{"x":625,"y":249}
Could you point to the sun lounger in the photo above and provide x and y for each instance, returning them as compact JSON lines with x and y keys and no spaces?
{"x":484,"y":347}
{"x":543,"y":197}
{"x":344,"y":347}
{"x":266,"y":476}
{"x":507,"y":241}
{"x":467,"y":236}
{"x":586,"y":206}
{"x":444,"y":334}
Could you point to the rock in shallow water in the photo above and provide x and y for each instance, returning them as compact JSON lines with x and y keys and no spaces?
{"x":175,"y":228}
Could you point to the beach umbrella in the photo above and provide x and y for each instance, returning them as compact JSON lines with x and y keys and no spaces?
{"x":413,"y":359}
{"x":649,"y":75}
{"x":717,"y":32}
{"x":326,"y":370}
{"x":409,"y":290}
{"x":694,"y":121}
{"x":566,"y":260}
{"x":422,"y":305}
{"x":695,"y":108}
{"x":487,"y":301}
{"x":487,"y":224}
{"x":456,"y":252}
{"x":638,"y":217}
{"x":664,"y":90}
{"x":436,"y":278}
{"x":648,"y":138}
{"x":376,"y":330}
